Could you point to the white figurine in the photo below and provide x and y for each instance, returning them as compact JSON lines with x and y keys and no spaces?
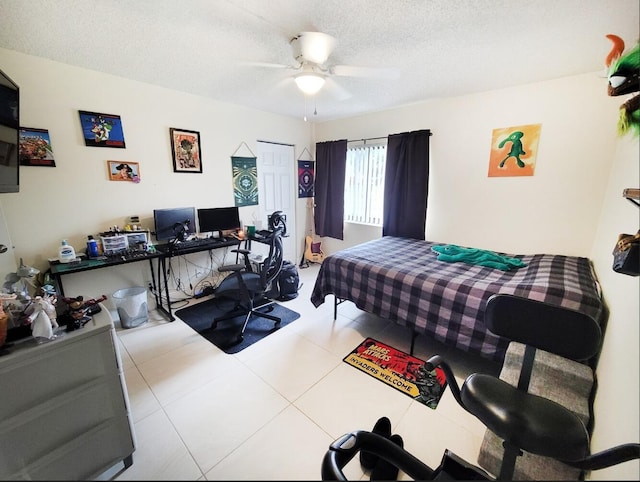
{"x":41,"y":315}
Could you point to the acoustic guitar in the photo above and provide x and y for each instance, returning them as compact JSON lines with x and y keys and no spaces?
{"x":312,"y":247}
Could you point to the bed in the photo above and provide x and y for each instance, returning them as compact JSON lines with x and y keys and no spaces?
{"x":402,"y":280}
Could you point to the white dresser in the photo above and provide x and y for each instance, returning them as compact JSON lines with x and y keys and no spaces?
{"x":64,"y":408}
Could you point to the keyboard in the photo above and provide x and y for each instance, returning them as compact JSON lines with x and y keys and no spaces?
{"x":203,"y":243}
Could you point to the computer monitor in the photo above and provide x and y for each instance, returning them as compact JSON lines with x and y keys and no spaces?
{"x":218,"y":219}
{"x":174,"y":223}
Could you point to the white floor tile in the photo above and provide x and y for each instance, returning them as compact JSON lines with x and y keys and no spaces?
{"x":292,"y":364}
{"x":289,"y":447}
{"x":186,"y":368}
{"x":142,"y":401}
{"x":160,"y":453}
{"x":219,"y":416}
{"x":348,"y":399}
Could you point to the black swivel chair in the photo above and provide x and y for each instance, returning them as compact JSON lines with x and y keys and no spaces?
{"x":524,"y":421}
{"x":250,"y":289}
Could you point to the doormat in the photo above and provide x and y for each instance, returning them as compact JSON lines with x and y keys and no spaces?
{"x":399,"y":370}
{"x":201,"y":316}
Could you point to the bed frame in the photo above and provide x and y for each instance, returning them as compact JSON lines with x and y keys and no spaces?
{"x":400,"y":279}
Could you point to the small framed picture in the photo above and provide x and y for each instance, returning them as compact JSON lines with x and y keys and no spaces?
{"x":101,"y":130}
{"x":185,"y":148}
{"x":124,"y":171}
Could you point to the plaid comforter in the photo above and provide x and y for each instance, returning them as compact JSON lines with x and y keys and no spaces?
{"x":400,"y":279}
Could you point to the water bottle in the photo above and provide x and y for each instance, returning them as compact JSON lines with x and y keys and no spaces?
{"x":92,"y":247}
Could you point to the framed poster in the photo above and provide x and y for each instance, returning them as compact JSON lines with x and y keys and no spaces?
{"x":514,"y":150}
{"x":35,"y":148}
{"x":124,"y":171}
{"x":101,"y":130}
{"x":185,"y":149}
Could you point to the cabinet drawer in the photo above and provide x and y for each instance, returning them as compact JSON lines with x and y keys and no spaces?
{"x":98,"y":406}
{"x":36,"y":380}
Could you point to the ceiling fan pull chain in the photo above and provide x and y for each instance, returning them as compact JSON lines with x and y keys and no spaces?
{"x":305,"y":108}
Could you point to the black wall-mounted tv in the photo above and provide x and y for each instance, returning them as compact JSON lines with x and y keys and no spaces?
{"x":9,"y":135}
{"x":170,"y":223}
{"x":218,"y":219}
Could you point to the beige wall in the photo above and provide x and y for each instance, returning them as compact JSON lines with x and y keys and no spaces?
{"x":572,"y":205}
{"x":76,"y":199}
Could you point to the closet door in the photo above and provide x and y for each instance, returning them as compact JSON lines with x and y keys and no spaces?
{"x":277,"y":189}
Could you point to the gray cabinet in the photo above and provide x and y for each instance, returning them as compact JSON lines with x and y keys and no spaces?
{"x":64,"y":406}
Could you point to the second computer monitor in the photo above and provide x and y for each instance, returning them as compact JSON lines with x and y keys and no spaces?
{"x":217,"y":220}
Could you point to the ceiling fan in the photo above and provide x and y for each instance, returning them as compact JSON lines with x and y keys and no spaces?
{"x":311,"y":51}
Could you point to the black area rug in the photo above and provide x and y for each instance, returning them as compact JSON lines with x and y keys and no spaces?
{"x":200,"y":316}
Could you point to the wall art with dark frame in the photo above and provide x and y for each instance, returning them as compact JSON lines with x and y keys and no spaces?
{"x":185,"y":150}
{"x":101,"y":130}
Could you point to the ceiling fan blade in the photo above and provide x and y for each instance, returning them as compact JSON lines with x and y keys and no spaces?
{"x":313,"y":46}
{"x":373,"y":72}
{"x":336,"y":90}
{"x":267,"y":65}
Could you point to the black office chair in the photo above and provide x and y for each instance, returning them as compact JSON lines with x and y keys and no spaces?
{"x":250,"y":289}
{"x":524,"y":421}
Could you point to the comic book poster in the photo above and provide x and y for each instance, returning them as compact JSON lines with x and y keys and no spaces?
{"x":101,"y":130}
{"x":399,"y":370}
{"x":35,"y":148}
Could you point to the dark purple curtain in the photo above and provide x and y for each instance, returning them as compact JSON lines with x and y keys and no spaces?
{"x":331,"y":161}
{"x":406,"y":185}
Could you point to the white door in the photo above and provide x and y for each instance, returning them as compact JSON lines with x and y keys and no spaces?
{"x":8,"y":262}
{"x":277,"y":189}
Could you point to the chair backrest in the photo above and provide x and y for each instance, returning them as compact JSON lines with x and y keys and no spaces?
{"x":568,"y":333}
{"x":272,"y":264}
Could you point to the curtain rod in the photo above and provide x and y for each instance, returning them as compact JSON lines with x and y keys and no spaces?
{"x":368,"y":139}
{"x":376,"y":138}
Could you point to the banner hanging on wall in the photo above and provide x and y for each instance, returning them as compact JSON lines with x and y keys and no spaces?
{"x":245,"y":181}
{"x":305,"y":178}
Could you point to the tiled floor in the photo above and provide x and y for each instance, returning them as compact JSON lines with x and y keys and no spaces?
{"x":271,"y":411}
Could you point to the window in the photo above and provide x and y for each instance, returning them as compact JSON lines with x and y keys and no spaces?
{"x":364,"y":184}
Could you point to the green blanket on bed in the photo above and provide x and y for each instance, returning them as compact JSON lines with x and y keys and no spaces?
{"x":452,"y":254}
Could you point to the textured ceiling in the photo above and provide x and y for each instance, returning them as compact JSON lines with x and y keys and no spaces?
{"x":436,"y":47}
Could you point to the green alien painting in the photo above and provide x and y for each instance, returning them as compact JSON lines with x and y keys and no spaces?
{"x":514,"y":150}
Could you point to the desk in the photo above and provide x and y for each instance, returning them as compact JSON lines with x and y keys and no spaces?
{"x":166,"y":251}
{"x":58,"y":270}
{"x":163,"y":251}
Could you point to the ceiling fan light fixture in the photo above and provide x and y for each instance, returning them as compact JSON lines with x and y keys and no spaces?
{"x":310,"y":84}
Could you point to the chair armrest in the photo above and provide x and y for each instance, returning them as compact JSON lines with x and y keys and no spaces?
{"x":438,"y":361}
{"x":241,"y":251}
{"x":231,"y":267}
{"x":607,"y":458}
